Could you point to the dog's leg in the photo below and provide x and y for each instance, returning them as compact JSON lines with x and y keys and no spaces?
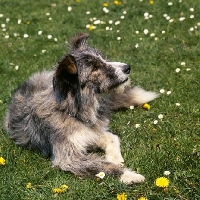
{"x":90,"y":165}
{"x":111,"y":145}
{"x":131,"y":97}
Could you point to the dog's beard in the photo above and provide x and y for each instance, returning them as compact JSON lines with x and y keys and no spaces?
{"x":120,"y":88}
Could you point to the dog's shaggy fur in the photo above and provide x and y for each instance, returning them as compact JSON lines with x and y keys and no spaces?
{"x":65,"y":113}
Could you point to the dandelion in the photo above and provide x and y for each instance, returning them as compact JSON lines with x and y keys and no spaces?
{"x":162,"y":182}
{"x":146,"y":31}
{"x":61,"y":189}
{"x":28,"y":186}
{"x":151,"y":2}
{"x":122,"y":196}
{"x":2,"y":160}
{"x":28,"y":22}
{"x":167,"y":173}
{"x":169,"y":92}
{"x":105,"y":5}
{"x":91,"y":27}
{"x":177,"y":70}
{"x":137,"y":125}
{"x":117,"y":2}
{"x":142,"y":198}
{"x":131,"y":107}
{"x":146,"y":106}
{"x":160,"y":116}
{"x":177,"y":104}
{"x":100,"y":175}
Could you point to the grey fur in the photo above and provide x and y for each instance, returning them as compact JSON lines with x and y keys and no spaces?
{"x":65,"y":112}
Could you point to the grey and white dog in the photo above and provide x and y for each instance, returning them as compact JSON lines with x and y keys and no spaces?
{"x":65,"y":113}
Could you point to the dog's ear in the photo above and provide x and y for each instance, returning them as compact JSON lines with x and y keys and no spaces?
{"x":79,"y":40}
{"x":66,"y":77}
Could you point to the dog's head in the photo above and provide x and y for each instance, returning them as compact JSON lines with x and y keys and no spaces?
{"x":85,"y":68}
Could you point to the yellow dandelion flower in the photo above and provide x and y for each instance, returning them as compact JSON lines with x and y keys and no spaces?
{"x":151,"y":2}
{"x":57,"y":190}
{"x":78,"y":1}
{"x":142,"y":198}
{"x":2,"y":161}
{"x":162,"y":182}
{"x":92,"y":27}
{"x":64,"y":187}
{"x":117,"y":2}
{"x":146,"y":106}
{"x":105,"y":5}
{"x":28,"y":22}
{"x":122,"y":196}
{"x":28,"y":185}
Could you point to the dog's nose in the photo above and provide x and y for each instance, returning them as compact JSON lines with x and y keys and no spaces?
{"x":126,"y":69}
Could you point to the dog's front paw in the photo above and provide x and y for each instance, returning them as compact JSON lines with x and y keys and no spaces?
{"x":129,"y":177}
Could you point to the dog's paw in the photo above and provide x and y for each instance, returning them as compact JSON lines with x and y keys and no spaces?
{"x":129,"y":177}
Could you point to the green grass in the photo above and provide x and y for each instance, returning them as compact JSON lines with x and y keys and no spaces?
{"x":172,"y":144}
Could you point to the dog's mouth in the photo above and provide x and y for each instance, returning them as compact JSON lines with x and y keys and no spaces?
{"x":120,"y":87}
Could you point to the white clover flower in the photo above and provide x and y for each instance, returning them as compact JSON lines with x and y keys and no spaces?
{"x":49,"y":37}
{"x":122,"y":17}
{"x":131,"y":107}
{"x":195,"y":27}
{"x":188,"y":69}
{"x":47,"y":14}
{"x":137,"y":45}
{"x":3,"y":25}
{"x":6,"y":36}
{"x":137,"y":125}
{"x":191,"y":9}
{"x":16,"y":67}
{"x":118,"y":38}
{"x":117,"y":22}
{"x":177,"y":70}
{"x":97,"y":21}
{"x":171,"y":20}
{"x":191,"y":16}
{"x":15,"y":34}
{"x":168,"y":18}
{"x":56,"y":39}
{"x":162,"y":91}
{"x":160,"y":116}
{"x":107,"y":28}
{"x":165,"y":15}
{"x":168,"y":92}
{"x":105,"y":10}
{"x":182,"y":63}
{"x":125,"y":12}
{"x":177,"y":104}
{"x":155,"y":121}
{"x":140,"y":38}
{"x":146,"y":31}
{"x":7,"y":20}
{"x":50,"y":18}
{"x":26,"y":35}
{"x":170,"y":3}
{"x":181,"y":19}
{"x":1,"y":15}
{"x":163,"y":32}
{"x":110,"y":21}
{"x":88,"y":12}
{"x":150,"y":16}
{"x":110,"y":29}
{"x":19,"y":21}
{"x":44,"y":50}
{"x":180,"y":1}
{"x":156,"y":38}
{"x":39,"y":32}
{"x":137,"y":32}
{"x":152,"y":34}
{"x":69,"y":8}
{"x":167,"y":173}
{"x":146,"y":14}
{"x":100,"y":175}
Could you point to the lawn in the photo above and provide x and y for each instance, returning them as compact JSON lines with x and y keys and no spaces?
{"x":161,"y":41}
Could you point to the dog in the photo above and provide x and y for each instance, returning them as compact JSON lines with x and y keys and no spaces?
{"x":64,"y":113}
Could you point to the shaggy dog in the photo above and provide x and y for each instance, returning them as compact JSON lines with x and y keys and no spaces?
{"x":65,"y":113}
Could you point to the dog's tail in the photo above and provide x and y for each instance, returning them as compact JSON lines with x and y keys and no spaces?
{"x":135,"y":96}
{"x":90,"y":165}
